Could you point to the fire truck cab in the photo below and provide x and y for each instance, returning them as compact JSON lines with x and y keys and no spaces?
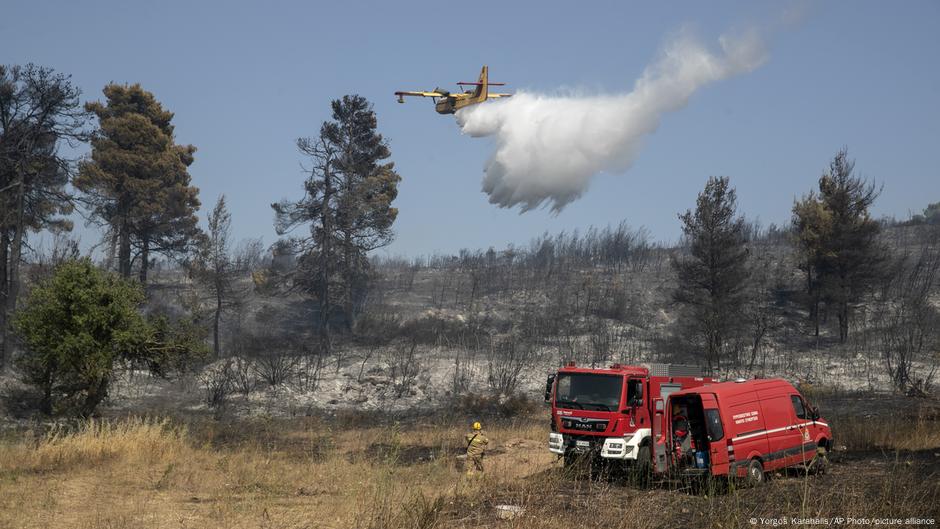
{"x":741,"y":429}
{"x":609,"y":414}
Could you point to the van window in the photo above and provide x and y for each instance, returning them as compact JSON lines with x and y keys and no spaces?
{"x":798,"y":406}
{"x":713,"y":425}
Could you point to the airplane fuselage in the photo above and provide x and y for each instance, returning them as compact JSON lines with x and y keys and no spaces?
{"x":453,"y":103}
{"x":446,"y":105}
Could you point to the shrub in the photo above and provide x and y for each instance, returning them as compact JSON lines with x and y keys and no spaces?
{"x":218,"y":383}
{"x":75,"y":325}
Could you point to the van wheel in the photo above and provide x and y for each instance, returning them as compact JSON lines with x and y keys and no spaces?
{"x":755,"y":472}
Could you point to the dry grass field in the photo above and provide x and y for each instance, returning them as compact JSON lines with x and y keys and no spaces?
{"x":348,"y":471}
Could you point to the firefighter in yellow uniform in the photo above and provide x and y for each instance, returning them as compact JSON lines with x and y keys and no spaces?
{"x":476,"y":445}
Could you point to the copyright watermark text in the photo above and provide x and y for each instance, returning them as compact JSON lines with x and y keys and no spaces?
{"x":793,"y":520}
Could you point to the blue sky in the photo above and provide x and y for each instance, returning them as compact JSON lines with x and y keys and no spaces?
{"x":246,"y":79}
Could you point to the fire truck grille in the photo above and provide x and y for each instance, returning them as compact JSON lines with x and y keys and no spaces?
{"x":585,"y":424}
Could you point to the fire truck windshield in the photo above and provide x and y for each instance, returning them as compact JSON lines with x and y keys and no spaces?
{"x":588,"y":390}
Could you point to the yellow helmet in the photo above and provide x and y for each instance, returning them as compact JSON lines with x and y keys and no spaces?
{"x":477,"y":426}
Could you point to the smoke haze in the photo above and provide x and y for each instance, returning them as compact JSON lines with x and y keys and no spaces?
{"x":549,"y":147}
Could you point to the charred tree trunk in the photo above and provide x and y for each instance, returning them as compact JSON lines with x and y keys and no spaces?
{"x":124,"y":250}
{"x":217,"y":347}
{"x":813,"y":290}
{"x":327,"y":257}
{"x":13,"y":271}
{"x":144,"y":260}
{"x":843,"y":322}
{"x":4,"y":292}
{"x":351,"y":271}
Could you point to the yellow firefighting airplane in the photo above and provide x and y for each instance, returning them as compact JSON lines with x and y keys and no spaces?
{"x":448,"y":103}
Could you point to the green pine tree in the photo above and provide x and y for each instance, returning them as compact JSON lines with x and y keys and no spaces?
{"x":853,"y":259}
{"x":713,"y":278}
{"x":137,"y":182}
{"x":39,"y":112}
{"x":347,"y":206}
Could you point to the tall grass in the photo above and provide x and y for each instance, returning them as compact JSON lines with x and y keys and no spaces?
{"x":900,"y":482}
{"x":137,"y":440}
{"x":141,"y":473}
{"x":919,"y":430}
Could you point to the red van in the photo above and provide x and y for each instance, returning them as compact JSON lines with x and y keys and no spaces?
{"x":741,"y":429}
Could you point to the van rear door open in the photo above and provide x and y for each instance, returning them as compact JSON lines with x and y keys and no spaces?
{"x":715,"y":431}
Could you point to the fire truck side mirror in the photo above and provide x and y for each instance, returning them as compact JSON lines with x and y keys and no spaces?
{"x":548,"y":387}
{"x":635,"y":393}
{"x":814,"y":413}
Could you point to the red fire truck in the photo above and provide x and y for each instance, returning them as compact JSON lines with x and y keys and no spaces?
{"x":608,"y":415}
{"x":740,"y":429}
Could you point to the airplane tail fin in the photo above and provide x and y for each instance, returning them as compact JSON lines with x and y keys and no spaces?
{"x":484,"y":85}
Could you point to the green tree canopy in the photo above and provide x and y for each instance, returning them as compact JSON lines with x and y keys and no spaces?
{"x":137,"y":182}
{"x":347,"y":206}
{"x":712,"y":279}
{"x":812,"y":229}
{"x":78,"y":324}
{"x":75,"y":326}
{"x":932,"y":213}
{"x":838,"y":240}
{"x":39,"y":113}
{"x":217,"y":269}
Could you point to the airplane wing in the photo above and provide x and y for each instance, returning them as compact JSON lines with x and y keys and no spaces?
{"x":420,"y":94}
{"x":496,"y":96}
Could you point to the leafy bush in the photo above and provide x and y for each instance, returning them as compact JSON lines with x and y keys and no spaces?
{"x":77,"y":325}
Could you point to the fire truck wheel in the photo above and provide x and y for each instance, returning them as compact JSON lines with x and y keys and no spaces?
{"x":571,"y":459}
{"x":643,"y":465}
{"x":598,"y":469}
{"x":755,"y":472}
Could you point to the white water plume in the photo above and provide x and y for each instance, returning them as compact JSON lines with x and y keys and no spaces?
{"x":549,"y":147}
